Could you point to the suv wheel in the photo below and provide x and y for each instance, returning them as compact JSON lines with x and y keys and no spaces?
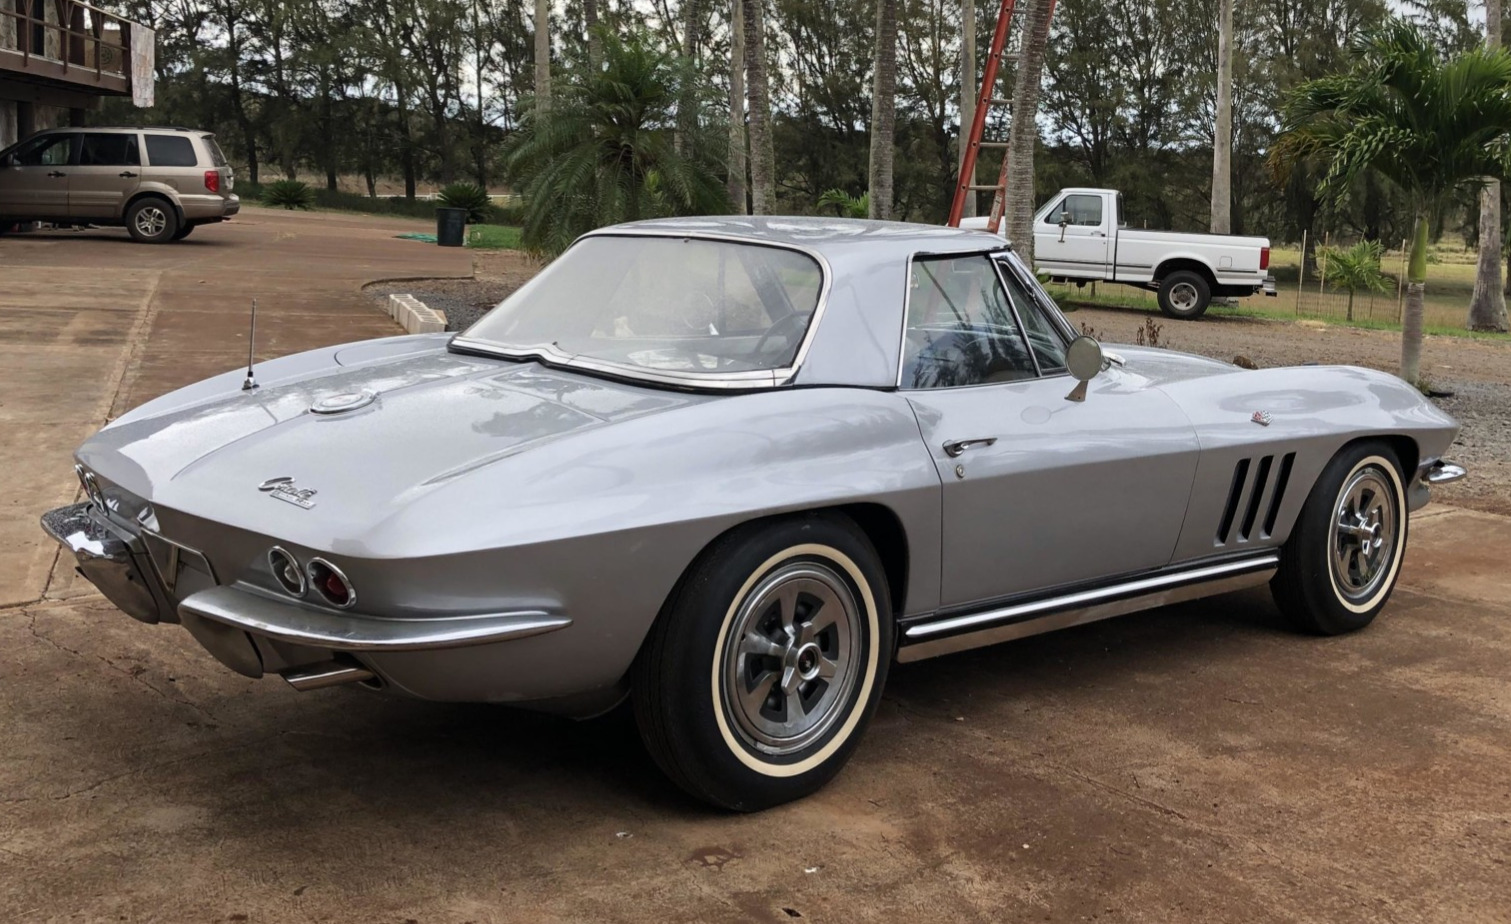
{"x":152,"y":221}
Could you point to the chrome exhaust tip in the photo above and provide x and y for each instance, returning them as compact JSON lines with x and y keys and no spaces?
{"x":328,"y":674}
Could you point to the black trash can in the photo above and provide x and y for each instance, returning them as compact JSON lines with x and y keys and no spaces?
{"x":451,"y":227}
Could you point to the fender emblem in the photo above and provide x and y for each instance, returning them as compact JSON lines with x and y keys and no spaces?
{"x":1262,"y":418}
{"x":283,"y":488}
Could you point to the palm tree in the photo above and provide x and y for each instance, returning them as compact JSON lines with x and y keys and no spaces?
{"x":1487,"y":307}
{"x":1355,"y":269}
{"x":1023,"y":133}
{"x":1430,"y":124}
{"x":758,"y":92}
{"x":735,"y":185}
{"x":606,"y":153}
{"x":883,"y":110}
{"x":542,"y":55}
{"x":1222,"y":135}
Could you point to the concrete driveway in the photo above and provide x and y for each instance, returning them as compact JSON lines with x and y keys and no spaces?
{"x":1198,"y":763}
{"x":92,"y":324}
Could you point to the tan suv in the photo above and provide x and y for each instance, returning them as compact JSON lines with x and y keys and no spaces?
{"x":160,"y":183}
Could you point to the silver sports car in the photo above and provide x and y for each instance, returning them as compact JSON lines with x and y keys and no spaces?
{"x":731,"y":469}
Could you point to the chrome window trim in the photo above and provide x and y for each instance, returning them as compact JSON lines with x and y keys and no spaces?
{"x":991,"y":254}
{"x":1037,"y":291}
{"x":753,"y":379}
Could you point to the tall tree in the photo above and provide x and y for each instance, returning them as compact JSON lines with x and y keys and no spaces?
{"x":595,"y":41}
{"x":970,"y":85}
{"x":1434,"y":125}
{"x":1222,"y":135}
{"x":758,"y":95}
{"x":1023,"y":135}
{"x":883,"y":110}
{"x":737,"y":142}
{"x":542,"y":55}
{"x":1487,"y":307}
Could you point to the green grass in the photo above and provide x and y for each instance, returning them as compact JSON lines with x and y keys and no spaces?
{"x":493,"y":237}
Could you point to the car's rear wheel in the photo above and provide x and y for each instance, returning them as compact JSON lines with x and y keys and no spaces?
{"x":152,"y":221}
{"x":765,"y":665}
{"x":1343,"y":557}
{"x":1184,"y":295}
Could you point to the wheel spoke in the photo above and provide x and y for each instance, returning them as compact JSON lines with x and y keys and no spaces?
{"x":757,"y":645}
{"x":796,"y":712}
{"x":787,"y":599}
{"x":827,"y":668}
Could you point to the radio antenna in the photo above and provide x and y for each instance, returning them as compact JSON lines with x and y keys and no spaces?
{"x":251,"y":381}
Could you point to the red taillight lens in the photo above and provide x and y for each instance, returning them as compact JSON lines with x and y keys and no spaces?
{"x":212,"y":181}
{"x":1264,"y":258}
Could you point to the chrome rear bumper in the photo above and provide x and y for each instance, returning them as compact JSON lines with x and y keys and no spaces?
{"x":111,"y":559}
{"x":1430,"y":473}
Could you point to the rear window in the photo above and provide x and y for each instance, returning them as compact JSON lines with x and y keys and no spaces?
{"x":171,"y":151}
{"x":216,"y":157}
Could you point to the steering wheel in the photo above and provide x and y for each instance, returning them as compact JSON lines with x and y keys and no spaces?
{"x":690,"y":304}
{"x":796,"y":319}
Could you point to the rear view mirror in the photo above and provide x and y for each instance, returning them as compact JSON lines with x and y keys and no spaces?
{"x":1085,"y":361}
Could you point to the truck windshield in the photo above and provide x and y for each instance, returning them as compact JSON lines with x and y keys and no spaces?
{"x":660,"y":304}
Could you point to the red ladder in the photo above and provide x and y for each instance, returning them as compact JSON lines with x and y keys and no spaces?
{"x":974,"y":143}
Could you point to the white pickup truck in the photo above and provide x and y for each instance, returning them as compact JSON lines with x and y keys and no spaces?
{"x":1079,"y":236}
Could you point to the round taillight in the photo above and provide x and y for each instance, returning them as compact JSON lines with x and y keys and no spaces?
{"x":330,"y":583}
{"x":286,"y":571}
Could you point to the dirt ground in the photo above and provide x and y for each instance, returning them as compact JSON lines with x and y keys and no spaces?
{"x":1195,"y":763}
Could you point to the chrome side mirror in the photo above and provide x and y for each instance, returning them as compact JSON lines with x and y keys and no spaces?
{"x":1085,"y":361}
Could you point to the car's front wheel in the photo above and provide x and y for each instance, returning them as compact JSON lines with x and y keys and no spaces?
{"x":152,"y":221}
{"x":1341,"y":562}
{"x":766,"y":664}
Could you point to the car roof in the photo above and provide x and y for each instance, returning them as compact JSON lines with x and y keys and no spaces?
{"x":70,"y":129}
{"x":828,"y":237}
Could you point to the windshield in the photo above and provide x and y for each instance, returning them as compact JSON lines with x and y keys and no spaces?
{"x":662,"y":304}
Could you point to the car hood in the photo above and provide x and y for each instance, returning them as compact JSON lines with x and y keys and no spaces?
{"x":1157,"y":367}
{"x":423,"y":420}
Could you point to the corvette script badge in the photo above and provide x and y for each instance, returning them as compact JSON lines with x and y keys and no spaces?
{"x":283,"y":488}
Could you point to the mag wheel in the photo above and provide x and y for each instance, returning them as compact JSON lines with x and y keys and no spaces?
{"x":764,"y":667}
{"x":1344,"y":555}
{"x":152,"y":221}
{"x":1184,"y":295}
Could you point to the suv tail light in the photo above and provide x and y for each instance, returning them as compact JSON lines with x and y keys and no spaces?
{"x":1264,"y":258}
{"x":212,"y":183}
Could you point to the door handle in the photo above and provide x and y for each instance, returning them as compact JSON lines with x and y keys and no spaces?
{"x":954,"y":448}
{"x":56,"y":174}
{"x":127,"y":175}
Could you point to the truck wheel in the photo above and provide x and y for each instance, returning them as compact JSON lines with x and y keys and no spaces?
{"x":152,"y":221}
{"x":767,"y":662}
{"x":1184,"y":295}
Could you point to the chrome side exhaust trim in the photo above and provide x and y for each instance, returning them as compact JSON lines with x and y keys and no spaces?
{"x":1007,"y":623}
{"x":328,"y":674}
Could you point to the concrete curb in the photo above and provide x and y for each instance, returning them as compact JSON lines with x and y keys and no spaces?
{"x":415,"y":316}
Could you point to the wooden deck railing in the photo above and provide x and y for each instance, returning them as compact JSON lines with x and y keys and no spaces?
{"x":66,"y":40}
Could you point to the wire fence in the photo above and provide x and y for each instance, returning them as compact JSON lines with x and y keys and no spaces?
{"x":1316,"y":297}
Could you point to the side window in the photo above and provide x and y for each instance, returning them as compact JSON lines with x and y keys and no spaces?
{"x":51,"y":151}
{"x":171,"y":151}
{"x":113,"y":149}
{"x":1084,"y":210}
{"x":1044,"y":338}
{"x":960,"y":327}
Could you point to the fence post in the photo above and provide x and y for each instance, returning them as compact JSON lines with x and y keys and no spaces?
{"x":1301,"y":275}
{"x":1326,"y":242}
{"x":1401,"y":283}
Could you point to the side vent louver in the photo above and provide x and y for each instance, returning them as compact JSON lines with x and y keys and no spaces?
{"x":1253,"y":494}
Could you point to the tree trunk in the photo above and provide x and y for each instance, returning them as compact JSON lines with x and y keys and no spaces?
{"x":883,"y":110}
{"x":969,"y":87}
{"x":542,"y":55}
{"x":687,"y":104}
{"x":1018,"y":209}
{"x":758,"y":94}
{"x":1222,"y":135}
{"x":737,"y":163}
{"x":595,"y":44}
{"x":1411,"y":318}
{"x":1487,"y":307}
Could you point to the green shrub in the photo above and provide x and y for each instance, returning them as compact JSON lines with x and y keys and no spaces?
{"x":288,"y":194}
{"x":471,"y":197}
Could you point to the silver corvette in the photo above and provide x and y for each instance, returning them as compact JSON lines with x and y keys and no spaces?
{"x":731,"y":469}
